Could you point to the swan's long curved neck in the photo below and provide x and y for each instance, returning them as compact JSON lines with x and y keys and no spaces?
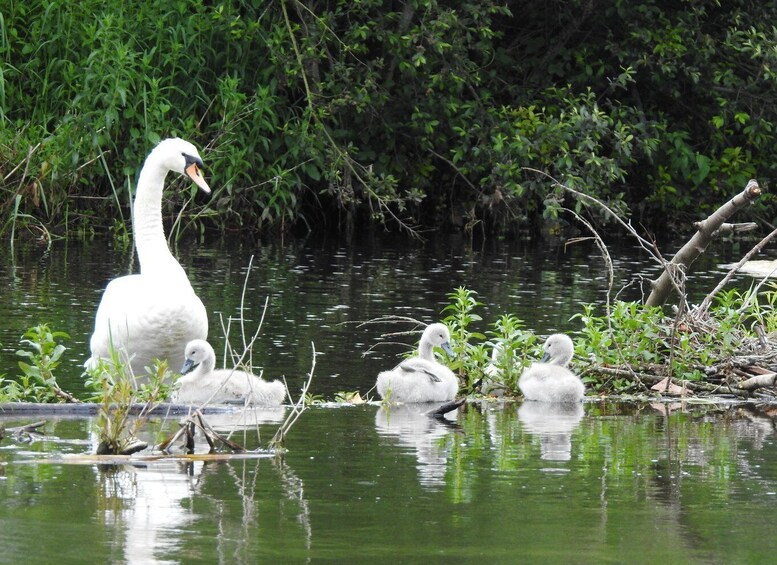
{"x":153,"y":253}
{"x":208,"y":365}
{"x":562,"y":359}
{"x":426,"y":351}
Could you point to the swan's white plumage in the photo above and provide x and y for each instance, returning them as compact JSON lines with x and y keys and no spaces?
{"x":154,"y":314}
{"x":757,"y":268}
{"x":202,"y":382}
{"x":421,"y":378}
{"x":551,"y":381}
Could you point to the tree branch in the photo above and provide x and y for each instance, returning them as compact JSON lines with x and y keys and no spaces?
{"x":662,"y":287}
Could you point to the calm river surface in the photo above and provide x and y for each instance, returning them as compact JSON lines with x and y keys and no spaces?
{"x":497,"y":482}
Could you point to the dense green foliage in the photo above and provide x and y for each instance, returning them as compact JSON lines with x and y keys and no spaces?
{"x":618,"y":346}
{"x":411,"y":113}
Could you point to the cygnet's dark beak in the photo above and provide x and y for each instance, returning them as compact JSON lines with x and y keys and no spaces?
{"x":188,"y":366}
{"x":447,"y":348}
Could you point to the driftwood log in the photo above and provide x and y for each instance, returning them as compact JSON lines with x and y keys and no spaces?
{"x":706,"y":231}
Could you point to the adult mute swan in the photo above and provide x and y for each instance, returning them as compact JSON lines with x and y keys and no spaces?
{"x":154,"y":314}
{"x":550,"y":380}
{"x":421,"y":378}
{"x":202,"y":382}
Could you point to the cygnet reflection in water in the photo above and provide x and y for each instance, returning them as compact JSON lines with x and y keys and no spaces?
{"x":246,"y":418}
{"x":553,"y":424}
{"x":430,"y":438}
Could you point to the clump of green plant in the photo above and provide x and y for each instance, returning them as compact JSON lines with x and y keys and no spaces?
{"x":348,"y":397}
{"x":43,"y":355}
{"x":497,"y":360}
{"x":310,"y":399}
{"x":118,"y":391}
{"x":512,"y":349}
{"x":10,"y":390}
{"x":645,"y":339}
{"x":470,"y":358}
{"x":632,"y":334}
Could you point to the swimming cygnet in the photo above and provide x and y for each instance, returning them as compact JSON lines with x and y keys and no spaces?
{"x":421,"y":378}
{"x":550,"y":380}
{"x":201,"y":382}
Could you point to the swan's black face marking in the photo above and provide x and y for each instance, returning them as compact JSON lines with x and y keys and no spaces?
{"x":192,"y":160}
{"x":193,"y":169}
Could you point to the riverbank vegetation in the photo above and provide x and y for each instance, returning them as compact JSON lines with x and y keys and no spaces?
{"x":413,"y":115}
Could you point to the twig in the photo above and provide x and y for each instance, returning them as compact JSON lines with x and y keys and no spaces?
{"x":705,"y":304}
{"x":297,"y":408}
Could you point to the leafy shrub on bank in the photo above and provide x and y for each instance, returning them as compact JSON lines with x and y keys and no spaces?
{"x":418,"y":113}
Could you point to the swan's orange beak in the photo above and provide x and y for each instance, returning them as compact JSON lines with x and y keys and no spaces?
{"x":193,"y":172}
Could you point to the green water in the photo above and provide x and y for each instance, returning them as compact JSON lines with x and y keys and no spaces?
{"x":498,"y":483}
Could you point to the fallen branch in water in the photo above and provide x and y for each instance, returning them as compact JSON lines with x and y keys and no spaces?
{"x":145,"y":458}
{"x":23,"y":434}
{"x":759,"y":381}
{"x":440,"y":412}
{"x":187,"y":429}
{"x":662,"y":287}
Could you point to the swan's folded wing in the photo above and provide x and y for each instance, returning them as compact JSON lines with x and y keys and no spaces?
{"x":418,"y":366}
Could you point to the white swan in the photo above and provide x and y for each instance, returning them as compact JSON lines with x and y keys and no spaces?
{"x":421,"y":378}
{"x":756,"y":268}
{"x":202,"y":382}
{"x":550,"y":380}
{"x":154,"y":314}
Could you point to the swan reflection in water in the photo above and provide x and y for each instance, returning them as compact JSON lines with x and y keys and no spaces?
{"x":553,"y":424}
{"x":429,"y":437}
{"x":152,"y":507}
{"x":245,"y":418}
{"x":147,"y":506}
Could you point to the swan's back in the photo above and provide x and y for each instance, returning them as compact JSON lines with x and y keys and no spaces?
{"x":551,"y":383}
{"x":418,"y":380}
